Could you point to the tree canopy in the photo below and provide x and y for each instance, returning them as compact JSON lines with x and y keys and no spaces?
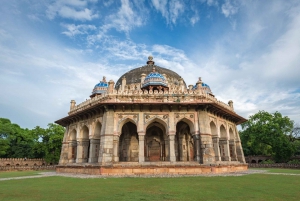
{"x":17,"y":142}
{"x":269,"y":134}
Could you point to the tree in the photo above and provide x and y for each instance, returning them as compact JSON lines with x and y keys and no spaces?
{"x":268,"y":134}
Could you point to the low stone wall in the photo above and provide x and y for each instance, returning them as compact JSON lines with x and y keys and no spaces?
{"x":26,"y":168}
{"x":275,"y":165}
{"x":139,"y":170}
{"x":22,"y":161}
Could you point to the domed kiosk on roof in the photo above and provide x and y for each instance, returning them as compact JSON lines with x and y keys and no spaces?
{"x":100,"y":88}
{"x":150,"y":122}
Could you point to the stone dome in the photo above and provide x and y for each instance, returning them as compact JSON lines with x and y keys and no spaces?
{"x":134,"y":75}
{"x":100,"y":88}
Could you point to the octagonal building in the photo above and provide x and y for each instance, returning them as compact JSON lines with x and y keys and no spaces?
{"x":150,"y":122}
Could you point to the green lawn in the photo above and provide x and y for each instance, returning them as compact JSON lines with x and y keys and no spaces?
{"x":248,"y":187}
{"x":279,"y":170}
{"x":19,"y":174}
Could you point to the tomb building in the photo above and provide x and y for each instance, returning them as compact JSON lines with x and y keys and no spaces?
{"x":151,"y":122}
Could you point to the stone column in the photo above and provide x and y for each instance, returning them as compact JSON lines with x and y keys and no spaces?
{"x":172,"y":147}
{"x":216,"y":148}
{"x":72,"y":146}
{"x":116,"y":148}
{"x":79,"y":157}
{"x":141,"y":147}
{"x":239,"y":152}
{"x":196,"y":138}
{"x":232,"y":145}
{"x":64,"y":148}
{"x":225,"y":152}
{"x":94,"y":150}
{"x":107,"y":136}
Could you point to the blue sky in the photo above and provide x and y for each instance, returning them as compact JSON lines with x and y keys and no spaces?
{"x":51,"y":52}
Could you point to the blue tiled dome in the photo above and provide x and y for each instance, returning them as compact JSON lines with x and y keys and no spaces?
{"x":154,"y":78}
{"x":101,"y":87}
{"x":205,"y":86}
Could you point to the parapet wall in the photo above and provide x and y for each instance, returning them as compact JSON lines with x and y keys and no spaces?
{"x":22,"y":162}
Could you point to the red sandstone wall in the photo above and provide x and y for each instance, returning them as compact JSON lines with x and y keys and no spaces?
{"x":21,"y":162}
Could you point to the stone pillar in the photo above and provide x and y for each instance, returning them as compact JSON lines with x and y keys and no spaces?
{"x":206,"y":144}
{"x":233,"y":148}
{"x":94,"y":150}
{"x":196,"y":138}
{"x":141,"y":147}
{"x":107,"y":138}
{"x":82,"y":151}
{"x":72,"y":151}
{"x":239,"y":152}
{"x":225,"y":149}
{"x":172,"y":147}
{"x":79,"y":152}
{"x":216,"y":148}
{"x":116,"y":148}
{"x":64,"y":149}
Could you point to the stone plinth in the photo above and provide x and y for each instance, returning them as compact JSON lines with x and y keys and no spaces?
{"x":151,"y":169}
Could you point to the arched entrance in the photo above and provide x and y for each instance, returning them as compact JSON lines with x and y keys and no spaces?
{"x":83,"y":145}
{"x":129,"y":143}
{"x":184,"y":143}
{"x":215,"y":138}
{"x":223,"y":143}
{"x":155,"y":143}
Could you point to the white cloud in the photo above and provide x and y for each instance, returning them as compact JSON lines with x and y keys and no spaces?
{"x":72,"y":9}
{"x":228,"y":8}
{"x":170,"y":10}
{"x":73,"y":29}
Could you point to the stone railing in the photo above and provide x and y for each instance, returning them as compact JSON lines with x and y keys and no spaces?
{"x":131,"y":96}
{"x":26,"y":168}
{"x":275,"y":165}
{"x":21,"y":159}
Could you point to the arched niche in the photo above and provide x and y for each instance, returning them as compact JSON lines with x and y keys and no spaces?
{"x":72,"y":135}
{"x":156,"y":141}
{"x":223,"y":132}
{"x":157,"y":121}
{"x":123,"y":122}
{"x":213,"y":129}
{"x":184,"y":143}
{"x":97,"y":130}
{"x":128,"y":143}
{"x":84,"y":133}
{"x":189,"y":123}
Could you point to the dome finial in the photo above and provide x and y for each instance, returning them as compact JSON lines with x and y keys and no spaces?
{"x":150,"y":60}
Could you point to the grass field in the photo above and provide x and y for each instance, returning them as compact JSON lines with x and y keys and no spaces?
{"x":248,"y":187}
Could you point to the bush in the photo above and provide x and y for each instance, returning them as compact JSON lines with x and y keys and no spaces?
{"x":295,"y":161}
{"x":269,"y":161}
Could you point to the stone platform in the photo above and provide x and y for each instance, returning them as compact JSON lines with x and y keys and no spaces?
{"x":149,"y":168}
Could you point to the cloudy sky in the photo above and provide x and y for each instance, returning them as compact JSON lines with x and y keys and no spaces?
{"x":55,"y":51}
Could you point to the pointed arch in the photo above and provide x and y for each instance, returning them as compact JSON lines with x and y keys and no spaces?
{"x":213,"y":129}
{"x":128,"y":143}
{"x":190,"y":123}
{"x":184,"y":142}
{"x":97,"y":129}
{"x":72,"y":135}
{"x":84,"y":132}
{"x":162,"y":122}
{"x":223,"y":133}
{"x":123,"y":122}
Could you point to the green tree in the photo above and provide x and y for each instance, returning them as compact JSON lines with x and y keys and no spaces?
{"x":268,"y":134}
